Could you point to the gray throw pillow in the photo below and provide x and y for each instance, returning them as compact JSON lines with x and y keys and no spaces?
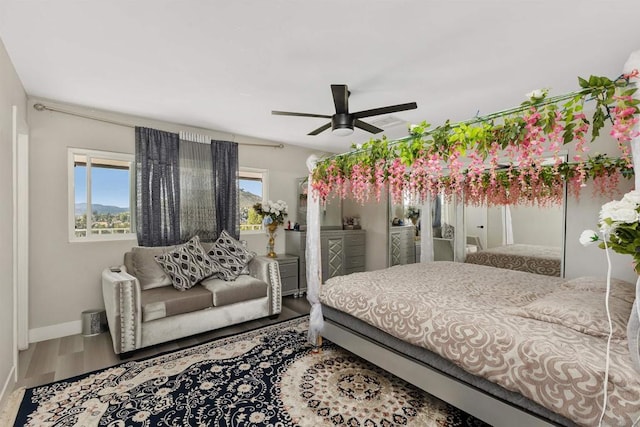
{"x":229,"y":256}
{"x":146,"y":269}
{"x":187,"y":265}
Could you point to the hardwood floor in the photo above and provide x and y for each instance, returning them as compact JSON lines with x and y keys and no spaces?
{"x":60,"y":358}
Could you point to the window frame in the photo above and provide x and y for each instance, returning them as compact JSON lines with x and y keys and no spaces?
{"x":264,"y":176}
{"x":104,"y":155}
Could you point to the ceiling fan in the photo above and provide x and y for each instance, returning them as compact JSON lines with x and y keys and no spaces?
{"x":343,"y":122}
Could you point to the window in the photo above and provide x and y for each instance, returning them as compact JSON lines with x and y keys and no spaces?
{"x":100,"y":195}
{"x":253,"y":184}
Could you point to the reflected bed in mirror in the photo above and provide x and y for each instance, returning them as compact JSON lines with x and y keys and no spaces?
{"x":523,"y":238}
{"x":518,"y":237}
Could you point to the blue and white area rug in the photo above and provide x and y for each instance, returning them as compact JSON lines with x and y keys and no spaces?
{"x":266,"y":377}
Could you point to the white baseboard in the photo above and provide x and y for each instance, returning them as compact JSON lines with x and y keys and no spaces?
{"x":7,"y":386}
{"x":55,"y":331}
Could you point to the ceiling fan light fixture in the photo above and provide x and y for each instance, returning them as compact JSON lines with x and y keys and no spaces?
{"x":342,"y":124}
{"x":342,"y":131}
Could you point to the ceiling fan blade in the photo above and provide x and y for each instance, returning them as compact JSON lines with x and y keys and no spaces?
{"x":290,"y":113}
{"x":385,"y":110}
{"x":320,"y":129}
{"x":340,"y":98}
{"x":366,"y":126}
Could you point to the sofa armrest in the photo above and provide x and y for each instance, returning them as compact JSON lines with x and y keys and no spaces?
{"x":121,"y":293}
{"x":267,"y":270}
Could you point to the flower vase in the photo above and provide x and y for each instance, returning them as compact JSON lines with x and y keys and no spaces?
{"x":414,"y":220}
{"x":271,"y":228}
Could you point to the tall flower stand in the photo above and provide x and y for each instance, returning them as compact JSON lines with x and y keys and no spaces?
{"x":271,"y":228}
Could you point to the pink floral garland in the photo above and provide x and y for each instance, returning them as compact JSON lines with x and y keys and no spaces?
{"x":470,"y":160}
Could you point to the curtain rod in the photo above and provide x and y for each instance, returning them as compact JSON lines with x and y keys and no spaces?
{"x":41,"y":107}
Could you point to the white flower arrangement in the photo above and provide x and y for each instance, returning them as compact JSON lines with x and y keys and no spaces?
{"x":619,"y":226}
{"x":272,"y":211}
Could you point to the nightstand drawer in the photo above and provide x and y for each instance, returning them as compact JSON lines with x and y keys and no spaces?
{"x":288,"y":270}
{"x":289,"y":285}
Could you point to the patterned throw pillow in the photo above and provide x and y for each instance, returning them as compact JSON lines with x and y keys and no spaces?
{"x":187,"y":265}
{"x":448,"y":231}
{"x":229,"y":257}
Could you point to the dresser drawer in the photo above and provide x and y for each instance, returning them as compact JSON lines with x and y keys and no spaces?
{"x":354,"y":240}
{"x":354,"y":270}
{"x":355,"y":250}
{"x":355,"y":261}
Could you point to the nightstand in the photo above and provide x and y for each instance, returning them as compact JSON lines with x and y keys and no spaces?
{"x":288,"y":265}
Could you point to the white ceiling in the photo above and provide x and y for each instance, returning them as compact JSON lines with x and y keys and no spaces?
{"x":225,"y":65}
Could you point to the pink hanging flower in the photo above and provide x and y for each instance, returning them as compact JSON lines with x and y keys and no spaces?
{"x":456,"y":177}
{"x":556,"y":139}
{"x":379,"y":178}
{"x":606,"y":184}
{"x":579,"y":136}
{"x":360,"y":182}
{"x":396,"y":179}
{"x":623,"y":130}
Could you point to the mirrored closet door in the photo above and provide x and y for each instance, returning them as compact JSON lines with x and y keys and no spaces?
{"x":525,"y":237}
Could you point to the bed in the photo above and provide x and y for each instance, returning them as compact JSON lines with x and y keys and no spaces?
{"x":530,"y":258}
{"x":511,"y":348}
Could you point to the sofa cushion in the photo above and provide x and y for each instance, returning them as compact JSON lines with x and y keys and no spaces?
{"x":145,"y":267}
{"x":229,"y":292}
{"x":166,"y":301}
{"x":229,"y":256}
{"x":187,"y":264}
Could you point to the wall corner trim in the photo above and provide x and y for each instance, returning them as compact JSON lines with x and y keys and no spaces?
{"x":7,"y":387}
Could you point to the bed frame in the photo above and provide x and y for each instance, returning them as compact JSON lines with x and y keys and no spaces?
{"x":441,"y":385}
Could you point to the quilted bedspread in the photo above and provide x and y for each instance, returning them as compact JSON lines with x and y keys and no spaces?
{"x":543,"y":337}
{"x":530,"y":258}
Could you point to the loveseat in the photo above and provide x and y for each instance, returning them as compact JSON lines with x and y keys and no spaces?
{"x":144,"y":308}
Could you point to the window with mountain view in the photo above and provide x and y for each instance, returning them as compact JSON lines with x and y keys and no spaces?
{"x":253,"y":185}
{"x":100,"y":195}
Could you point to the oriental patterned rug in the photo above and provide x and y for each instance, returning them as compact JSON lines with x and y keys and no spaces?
{"x":266,"y":377}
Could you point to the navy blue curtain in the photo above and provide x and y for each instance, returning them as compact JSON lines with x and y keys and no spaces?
{"x":157,"y":187}
{"x":224,"y":155}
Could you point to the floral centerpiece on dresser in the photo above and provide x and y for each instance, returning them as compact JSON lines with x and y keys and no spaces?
{"x":413,"y":213}
{"x":272,"y":214}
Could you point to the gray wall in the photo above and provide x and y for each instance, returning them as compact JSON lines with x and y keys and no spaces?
{"x":11,"y":93}
{"x":534,"y":225}
{"x":64,"y":276}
